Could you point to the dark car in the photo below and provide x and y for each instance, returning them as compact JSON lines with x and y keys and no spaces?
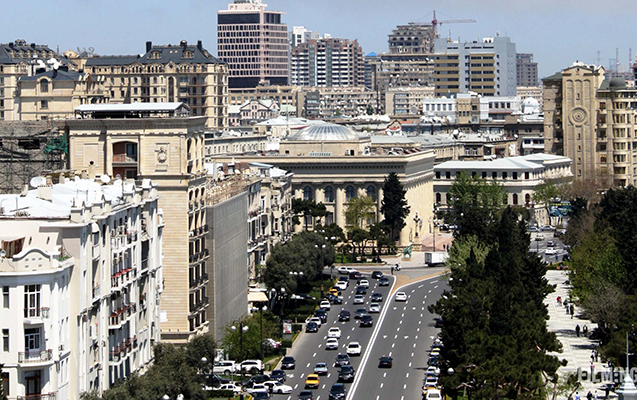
{"x":361,"y":289}
{"x":377,"y":275}
{"x":344,"y":315}
{"x":355,"y":275}
{"x":341,"y":359}
{"x":346,"y":374}
{"x":333,"y":299}
{"x":367,"y":320}
{"x":344,"y":279}
{"x":306,"y":395}
{"x":260,"y":395}
{"x":384,"y":281}
{"x":438,"y":322}
{"x":288,"y":362}
{"x":338,"y":392}
{"x":377,"y":297}
{"x":322,"y":314}
{"x":256,"y":379}
{"x":311,"y":327}
{"x":385,"y":362}
{"x":359,"y":313}
{"x":215,"y":380}
{"x":278,"y":375}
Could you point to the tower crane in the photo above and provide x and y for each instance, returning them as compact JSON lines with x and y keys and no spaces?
{"x":435,"y":22}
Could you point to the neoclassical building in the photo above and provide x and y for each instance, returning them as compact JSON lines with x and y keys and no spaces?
{"x":333,"y":164}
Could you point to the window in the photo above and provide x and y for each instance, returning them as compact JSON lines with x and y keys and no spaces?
{"x":5,"y":296}
{"x":526,"y":175}
{"x":5,"y":340}
{"x":329,"y":194}
{"x":307,"y":193}
{"x":515,"y":176}
{"x":44,"y":86}
{"x":371,"y":192}
{"x":32,"y":339}
{"x":504,"y":175}
{"x":350,"y":193}
{"x":527,"y":199}
{"x":44,"y":104}
{"x":484,"y":174}
{"x":494,"y":175}
{"x":437,"y":174}
{"x":31,"y":301}
{"x":448,"y":174}
{"x":515,"y":198}
{"x":438,"y":198}
{"x":5,"y":383}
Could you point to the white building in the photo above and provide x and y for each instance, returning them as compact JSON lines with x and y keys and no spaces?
{"x":80,"y":272}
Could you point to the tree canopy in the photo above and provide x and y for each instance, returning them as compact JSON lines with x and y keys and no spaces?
{"x":394,"y":205}
{"x":359,"y":211}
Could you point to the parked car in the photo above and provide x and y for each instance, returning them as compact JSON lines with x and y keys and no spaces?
{"x":272,"y":343}
{"x":334,"y":299}
{"x":341,"y":285}
{"x":325,"y":305}
{"x":277,"y":387}
{"x":288,"y":362}
{"x":257,"y":387}
{"x":230,"y":386}
{"x":278,"y":375}
{"x":345,"y":270}
{"x":260,"y":395}
{"x":256,"y":379}
{"x":311,"y":327}
{"x":321,"y":313}
{"x":225,"y":367}
{"x":252,"y":366}
{"x":550,"y":251}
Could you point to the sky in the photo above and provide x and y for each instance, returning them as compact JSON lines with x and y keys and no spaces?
{"x":557,"y":32}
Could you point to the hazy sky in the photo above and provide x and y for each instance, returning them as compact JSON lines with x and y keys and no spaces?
{"x":557,"y":32}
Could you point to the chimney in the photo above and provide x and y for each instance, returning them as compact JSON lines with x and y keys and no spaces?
{"x":11,"y":44}
{"x":44,"y":193}
{"x":199,"y":45}
{"x":149,"y":46}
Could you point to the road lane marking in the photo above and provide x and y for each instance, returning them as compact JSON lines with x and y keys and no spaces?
{"x":418,"y":330}
{"x":314,"y":355}
{"x":409,"y":365}
{"x":414,"y":344}
{"x":385,"y":375}
{"x":412,"y":354}
{"x":407,"y":375}
{"x":396,"y":337}
{"x":295,"y":386}
{"x":397,"y":329}
{"x":402,"y":316}
{"x":420,"y":286}
{"x":323,"y":386}
{"x":429,"y":290}
{"x":432,"y":282}
{"x":401,"y":322}
{"x":436,"y":287}
{"x":308,"y":365}
{"x":303,"y":374}
{"x":392,"y":345}
{"x":390,"y":353}
{"x":404,"y":387}
{"x":416,"y":338}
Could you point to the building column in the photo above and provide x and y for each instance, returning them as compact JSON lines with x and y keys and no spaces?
{"x":339,"y":206}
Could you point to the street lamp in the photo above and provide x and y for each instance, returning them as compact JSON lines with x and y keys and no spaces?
{"x":262,"y":310}
{"x":242,"y":329}
{"x":432,"y":227}
{"x":204,"y":361}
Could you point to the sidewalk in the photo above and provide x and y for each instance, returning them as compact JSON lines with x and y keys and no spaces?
{"x":576,"y":350}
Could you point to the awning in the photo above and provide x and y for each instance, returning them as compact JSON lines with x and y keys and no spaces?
{"x":257,"y":296}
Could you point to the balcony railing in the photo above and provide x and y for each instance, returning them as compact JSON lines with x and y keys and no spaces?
{"x":97,"y":291}
{"x":124,"y":158}
{"x":43,"y":396}
{"x":35,"y":356}
{"x":42,"y":313}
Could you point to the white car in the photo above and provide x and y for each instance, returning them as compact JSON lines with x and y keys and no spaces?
{"x":345,"y":270}
{"x":229,"y":386}
{"x":331,"y":344}
{"x":433,"y":371}
{"x":341,"y":285}
{"x":325,"y":305}
{"x":364,"y":282}
{"x":225,"y":367}
{"x":359,"y":299}
{"x":401,"y":296}
{"x":433,"y":394}
{"x":252,"y":366}
{"x":334,"y":332}
{"x":315,"y":319}
{"x":354,"y":349}
{"x":257,"y":387}
{"x":431,"y":380}
{"x":550,"y":251}
{"x":278,"y":387}
{"x":374,"y":308}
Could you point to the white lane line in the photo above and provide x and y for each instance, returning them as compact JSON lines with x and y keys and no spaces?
{"x":390,"y":353}
{"x":295,"y":386}
{"x":416,"y":338}
{"x":396,"y":337}
{"x":308,"y":365}
{"x":404,"y":387}
{"x":409,"y":365}
{"x":402,"y":398}
{"x":318,"y":398}
{"x":385,"y":375}
{"x":420,"y":286}
{"x":407,"y":375}
{"x":401,"y":322}
{"x":314,"y":355}
{"x":323,"y":386}
{"x":436,"y":287}
{"x":414,"y":346}
{"x":392,"y":345}
{"x":353,"y":327}
{"x":412,"y":354}
{"x":417,"y":330}
{"x":289,"y":397}
{"x":429,"y":290}
{"x":402,"y":316}
{"x":420,"y":315}
{"x":381,"y":385}
{"x":378,"y":397}
{"x":328,"y":375}
{"x":413,"y":290}
{"x":303,"y":374}
{"x":425,"y":296}
{"x":348,"y":337}
{"x":397,"y":329}
{"x":319,"y":346}
{"x":432,"y":282}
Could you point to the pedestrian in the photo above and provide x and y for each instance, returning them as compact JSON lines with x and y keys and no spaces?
{"x":589,"y":395}
{"x":593,"y":356}
{"x":606,"y":390}
{"x":592,"y":371}
{"x":577,"y":396}
{"x":585,"y":330}
{"x":559,"y":300}
{"x":577,"y":329}
{"x":595,"y":395}
{"x":572,"y":311}
{"x":392,"y":270}
{"x":596,"y":356}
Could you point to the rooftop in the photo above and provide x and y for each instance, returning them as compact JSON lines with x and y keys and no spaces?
{"x":325,"y":133}
{"x":164,"y":54}
{"x":530,"y":162}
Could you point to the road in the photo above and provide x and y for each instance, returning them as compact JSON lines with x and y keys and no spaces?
{"x":399,"y":321}
{"x":539,"y":246}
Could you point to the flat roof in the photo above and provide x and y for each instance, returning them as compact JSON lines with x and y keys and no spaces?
{"x":166,"y":106}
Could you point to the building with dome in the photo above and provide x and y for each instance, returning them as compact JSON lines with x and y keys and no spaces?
{"x":333,"y":164}
{"x":592,"y":121}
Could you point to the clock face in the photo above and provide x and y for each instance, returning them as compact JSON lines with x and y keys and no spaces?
{"x":578,"y":115}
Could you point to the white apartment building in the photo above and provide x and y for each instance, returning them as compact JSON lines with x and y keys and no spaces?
{"x":80,"y":274}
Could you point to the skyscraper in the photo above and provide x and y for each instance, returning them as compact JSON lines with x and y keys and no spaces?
{"x":327,"y":62}
{"x":254,"y":43}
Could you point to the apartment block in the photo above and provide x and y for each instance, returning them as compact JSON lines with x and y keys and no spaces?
{"x":526,"y":70}
{"x":403,"y":101}
{"x":413,"y":38}
{"x":327,"y":62}
{"x":81,"y":279}
{"x":162,"y":142}
{"x":254,"y":44}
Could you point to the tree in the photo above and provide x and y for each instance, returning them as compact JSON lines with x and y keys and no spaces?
{"x":545,"y":193}
{"x":394,"y":205}
{"x":252,"y":337}
{"x":359,"y":238}
{"x":302,"y":207}
{"x":370,"y":109}
{"x":359,"y":210}
{"x":379,"y":233}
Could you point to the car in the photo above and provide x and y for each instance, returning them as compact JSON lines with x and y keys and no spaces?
{"x":325,"y":305}
{"x":433,"y":362}
{"x":311,"y":327}
{"x":533,"y":229}
{"x":432,"y":371}
{"x":346,"y":374}
{"x":431,"y":381}
{"x":331,"y":344}
{"x":401,"y":296}
{"x":229,"y":386}
{"x":547,"y":228}
{"x":385,"y":362}
{"x":336,"y":291}
{"x":550,"y":251}
{"x":366,"y":321}
{"x":377,"y":275}
{"x":256,"y":380}
{"x":343,"y":279}
{"x":364,"y":282}
{"x":338,"y":392}
{"x":359,"y":313}
{"x":312,"y":381}
{"x":359,"y":299}
{"x":345,"y":270}
{"x":225,"y":367}
{"x":355,"y":275}
{"x":341,"y":285}
{"x":277,"y":387}
{"x":260,"y":395}
{"x":288,"y":362}
{"x":341,"y":359}
{"x":344,"y":315}
{"x":306,"y":395}
{"x":438,"y":322}
{"x":271,"y":343}
{"x":334,"y":332}
{"x":334,"y":299}
{"x":361,"y":289}
{"x":316,"y":320}
{"x":432,"y":394}
{"x":278,"y":375}
{"x":252,"y":366}
{"x":320,"y":368}
{"x":321,"y":314}
{"x":306,"y":296}
{"x":257,"y":387}
{"x":539,"y":238}
{"x":550,"y":243}
{"x":354,"y":349}
{"x":384,"y":281}
{"x":377,"y":297}
{"x":374,"y":308}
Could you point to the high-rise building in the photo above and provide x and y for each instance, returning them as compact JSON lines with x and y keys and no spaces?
{"x":300,"y":34}
{"x":487,"y":67}
{"x":327,"y":62}
{"x":413,"y":38}
{"x":254,"y":43}
{"x":526,"y":69}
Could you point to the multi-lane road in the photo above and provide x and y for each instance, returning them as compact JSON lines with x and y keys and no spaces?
{"x":403,"y":330}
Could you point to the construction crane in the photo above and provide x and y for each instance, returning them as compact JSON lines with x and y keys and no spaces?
{"x":435,"y":22}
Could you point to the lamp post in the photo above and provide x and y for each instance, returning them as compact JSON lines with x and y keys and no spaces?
{"x":261,"y":311}
{"x":204,"y":361}
{"x":242,"y":329}
{"x":295,"y":297}
{"x":432,"y":226}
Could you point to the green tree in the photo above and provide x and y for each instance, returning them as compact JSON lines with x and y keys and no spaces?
{"x":370,"y":109}
{"x":379,"y":233}
{"x":394,"y":205}
{"x":359,"y":238}
{"x":546,"y":192}
{"x":359,"y":210}
{"x":304,"y":208}
{"x":252,"y":337}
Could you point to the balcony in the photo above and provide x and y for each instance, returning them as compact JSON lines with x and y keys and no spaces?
{"x":45,"y":396}
{"x":36,"y":315}
{"x":124,"y":158}
{"x":97,"y":292}
{"x":35,"y":356}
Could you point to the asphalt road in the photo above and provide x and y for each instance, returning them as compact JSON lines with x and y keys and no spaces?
{"x":539,"y":246}
{"x":406,"y":335}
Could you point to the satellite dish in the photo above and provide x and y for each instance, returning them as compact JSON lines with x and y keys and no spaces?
{"x":36,"y":181}
{"x":3,"y":253}
{"x":105,"y":179}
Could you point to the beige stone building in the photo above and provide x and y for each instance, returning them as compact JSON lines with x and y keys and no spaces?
{"x":136,"y":141}
{"x":403,"y":101}
{"x":166,"y":73}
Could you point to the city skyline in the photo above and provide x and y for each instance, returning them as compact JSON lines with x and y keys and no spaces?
{"x":118,"y":27}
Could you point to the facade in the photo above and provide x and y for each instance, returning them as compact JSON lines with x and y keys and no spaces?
{"x":487,"y":67}
{"x":168,"y":73}
{"x":332,"y":102}
{"x":252,"y":112}
{"x":526,"y":70}
{"x":524,"y":92}
{"x":81,"y":277}
{"x":125,"y":140}
{"x":254,"y":44}
{"x":327,"y":62}
{"x":519,"y":176}
{"x":413,"y":38}
{"x":283,"y":95}
{"x":300,"y":34}
{"x":232,"y":142}
{"x":403,"y":101}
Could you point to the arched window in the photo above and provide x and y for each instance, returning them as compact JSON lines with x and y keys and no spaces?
{"x":438,"y":198}
{"x":371,"y":192}
{"x":350,"y":193}
{"x":44,"y":86}
{"x":527,"y":199}
{"x":515,"y":198}
{"x":329,"y":194}
{"x":307,"y":193}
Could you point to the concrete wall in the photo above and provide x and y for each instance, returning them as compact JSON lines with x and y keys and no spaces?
{"x":228,"y":286}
